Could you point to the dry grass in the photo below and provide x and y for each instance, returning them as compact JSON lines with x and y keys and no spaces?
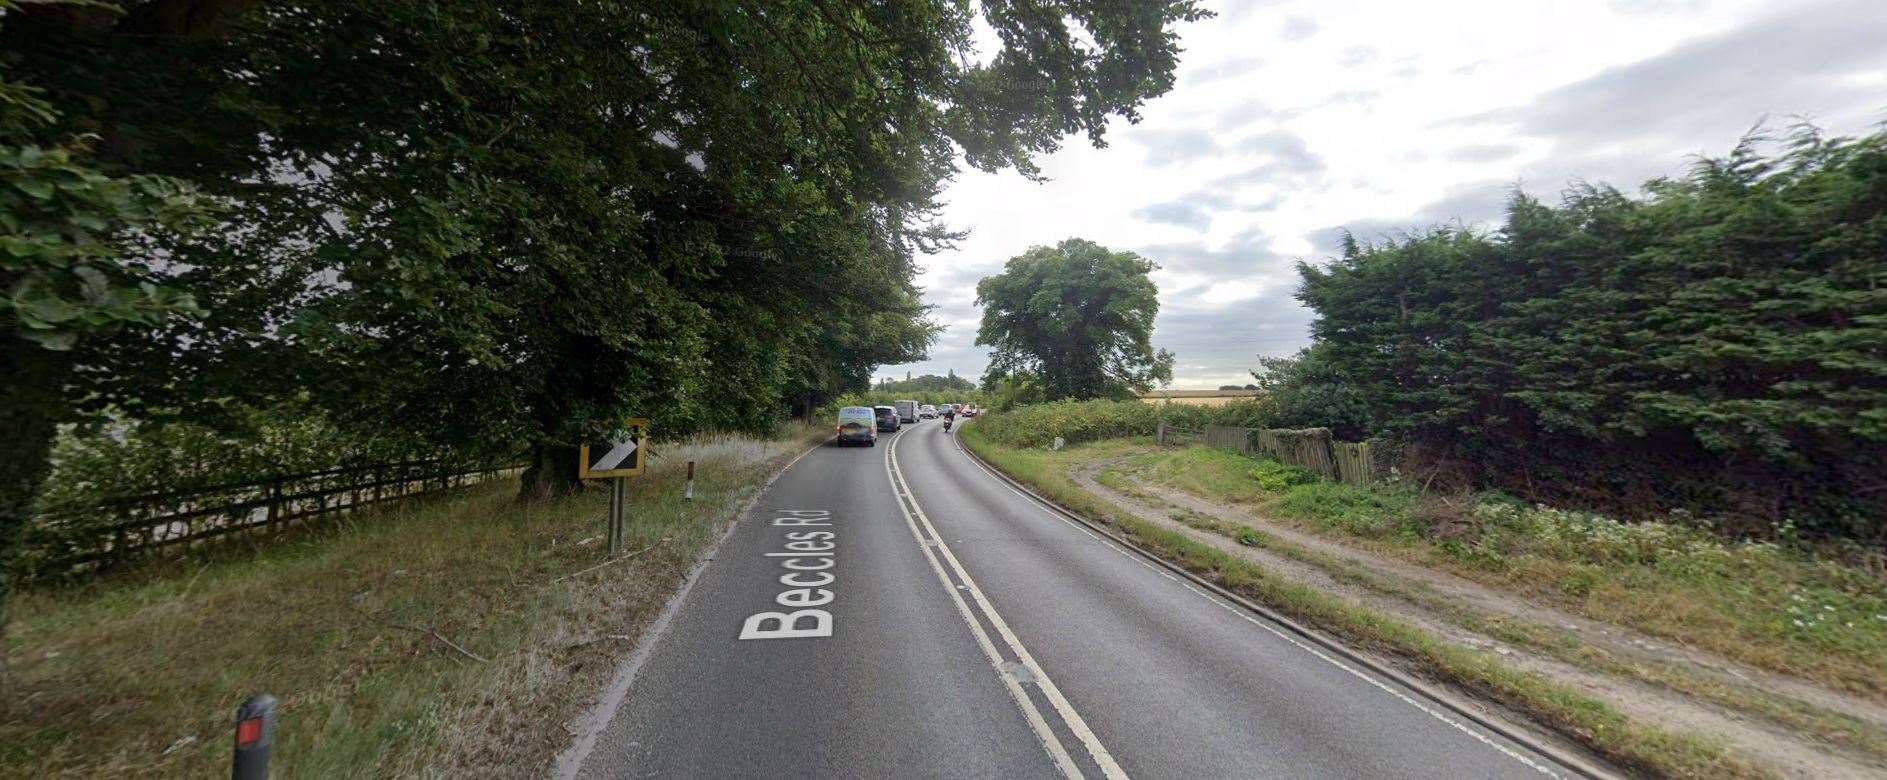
{"x":352,"y":626}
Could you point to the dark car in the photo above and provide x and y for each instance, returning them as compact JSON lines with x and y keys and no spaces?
{"x":887,"y":418}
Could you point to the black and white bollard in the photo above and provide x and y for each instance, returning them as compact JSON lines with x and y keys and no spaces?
{"x":255,"y":734}
{"x":688,"y":492}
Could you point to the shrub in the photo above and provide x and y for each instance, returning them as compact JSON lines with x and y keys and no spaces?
{"x":1037,"y":425}
{"x":1276,"y":476}
{"x":1371,"y":512}
{"x":1073,"y":421}
{"x":1308,"y":391}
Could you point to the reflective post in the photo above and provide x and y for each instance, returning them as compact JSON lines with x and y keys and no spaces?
{"x":255,"y":734}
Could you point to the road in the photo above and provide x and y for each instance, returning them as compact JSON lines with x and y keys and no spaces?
{"x":969,"y":632}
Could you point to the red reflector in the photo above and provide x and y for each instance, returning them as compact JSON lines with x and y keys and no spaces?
{"x":248,"y":732}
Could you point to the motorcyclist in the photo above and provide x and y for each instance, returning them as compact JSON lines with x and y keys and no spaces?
{"x":950,"y":414}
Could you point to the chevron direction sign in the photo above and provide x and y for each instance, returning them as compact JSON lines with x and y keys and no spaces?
{"x":623,"y":456}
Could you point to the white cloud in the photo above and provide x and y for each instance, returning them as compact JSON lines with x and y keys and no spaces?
{"x":1296,"y":117}
{"x":1232,"y":292}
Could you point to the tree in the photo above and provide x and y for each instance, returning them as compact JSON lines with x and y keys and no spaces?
{"x":1077,"y":317}
{"x":1307,"y":391}
{"x":505,"y":226}
{"x":928,"y":383}
{"x":78,"y":252}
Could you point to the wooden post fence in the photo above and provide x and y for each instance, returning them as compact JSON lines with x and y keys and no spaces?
{"x":1313,"y":449}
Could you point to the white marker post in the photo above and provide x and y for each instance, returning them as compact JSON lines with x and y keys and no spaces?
{"x":688,"y":492}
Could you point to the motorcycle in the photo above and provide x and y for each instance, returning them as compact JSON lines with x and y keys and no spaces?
{"x":946,"y":425}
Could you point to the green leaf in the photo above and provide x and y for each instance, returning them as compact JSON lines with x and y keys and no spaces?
{"x":57,"y":341}
{"x":37,"y":188}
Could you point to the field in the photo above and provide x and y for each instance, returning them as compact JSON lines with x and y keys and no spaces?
{"x":1197,"y":397}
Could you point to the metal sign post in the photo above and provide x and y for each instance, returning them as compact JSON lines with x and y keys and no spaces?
{"x":617,"y":459}
{"x":617,"y":487}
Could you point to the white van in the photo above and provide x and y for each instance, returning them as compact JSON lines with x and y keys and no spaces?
{"x":857,"y":424}
{"x":907,"y":411}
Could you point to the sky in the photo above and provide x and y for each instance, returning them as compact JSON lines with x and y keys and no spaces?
{"x":1291,"y":119}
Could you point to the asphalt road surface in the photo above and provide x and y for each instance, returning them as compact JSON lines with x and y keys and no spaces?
{"x":898,"y":611}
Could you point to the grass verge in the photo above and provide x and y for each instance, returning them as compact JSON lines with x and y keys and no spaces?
{"x":1768,"y":605}
{"x":1559,"y":644}
{"x":1637,"y":745}
{"x":443,"y":636}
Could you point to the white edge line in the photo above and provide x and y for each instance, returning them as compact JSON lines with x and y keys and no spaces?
{"x":1063,"y":708}
{"x":592,"y":722}
{"x":1372,"y":680}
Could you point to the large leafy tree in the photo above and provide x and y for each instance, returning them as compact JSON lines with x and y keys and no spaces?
{"x":1078,"y":317}
{"x":79,"y":252}
{"x":508,"y":225}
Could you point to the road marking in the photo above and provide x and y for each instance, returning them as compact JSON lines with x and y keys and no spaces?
{"x":1043,"y":734}
{"x":1359,"y":674}
{"x":814,"y":552}
{"x":913,"y":515}
{"x":590,"y":726}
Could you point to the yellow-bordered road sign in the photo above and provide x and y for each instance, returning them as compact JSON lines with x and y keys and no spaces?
{"x":623,"y":456}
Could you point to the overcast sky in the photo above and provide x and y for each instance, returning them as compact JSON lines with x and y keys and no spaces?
{"x":1292,"y":118}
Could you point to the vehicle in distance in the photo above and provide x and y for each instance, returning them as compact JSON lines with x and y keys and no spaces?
{"x":857,"y":425}
{"x":907,"y":410}
{"x":887,"y":418}
{"x":927,"y":411}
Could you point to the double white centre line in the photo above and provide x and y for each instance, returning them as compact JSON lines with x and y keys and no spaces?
{"x":933,"y":547}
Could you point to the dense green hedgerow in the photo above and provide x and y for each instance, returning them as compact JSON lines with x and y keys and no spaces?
{"x":1078,"y":421}
{"x":1719,"y":344}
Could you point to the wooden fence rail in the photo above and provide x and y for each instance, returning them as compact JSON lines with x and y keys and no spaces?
{"x":1313,"y":449}
{"x":1228,"y":438}
{"x":1355,"y":464}
{"x":111,"y":532}
{"x":1169,"y":434}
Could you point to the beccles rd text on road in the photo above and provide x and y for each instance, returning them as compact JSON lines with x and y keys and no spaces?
{"x":809,"y":559}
